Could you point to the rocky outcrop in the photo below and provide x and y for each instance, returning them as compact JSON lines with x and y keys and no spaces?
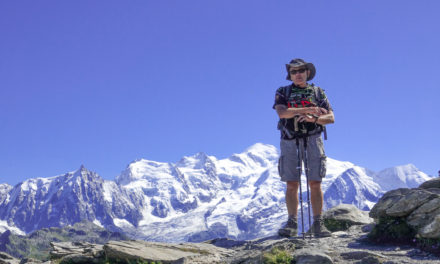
{"x":37,"y":244}
{"x":348,"y":245}
{"x":415,"y":212}
{"x":7,"y":259}
{"x":343,"y":216}
{"x":165,"y":253}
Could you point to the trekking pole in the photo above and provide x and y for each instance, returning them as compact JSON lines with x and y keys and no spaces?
{"x":300,"y":188}
{"x":306,"y":170}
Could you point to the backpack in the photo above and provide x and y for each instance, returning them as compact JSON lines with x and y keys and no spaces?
{"x":291,"y":130}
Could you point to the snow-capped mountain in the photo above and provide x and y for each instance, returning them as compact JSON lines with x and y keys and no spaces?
{"x":198,"y":198}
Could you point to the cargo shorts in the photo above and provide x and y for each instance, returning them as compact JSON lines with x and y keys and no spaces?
{"x":288,"y":162}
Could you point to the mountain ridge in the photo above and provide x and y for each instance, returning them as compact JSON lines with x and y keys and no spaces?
{"x":196,"y":198}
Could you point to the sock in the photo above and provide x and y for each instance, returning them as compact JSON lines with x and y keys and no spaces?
{"x":293,"y":218}
{"x":315,"y":217}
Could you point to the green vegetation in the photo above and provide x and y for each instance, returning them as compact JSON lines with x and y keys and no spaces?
{"x":336,"y":225}
{"x":127,"y":261}
{"x":37,"y":244}
{"x":277,"y":256}
{"x":393,"y":230}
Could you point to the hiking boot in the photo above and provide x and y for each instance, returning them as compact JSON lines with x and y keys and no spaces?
{"x":290,"y":229}
{"x":318,"y":228}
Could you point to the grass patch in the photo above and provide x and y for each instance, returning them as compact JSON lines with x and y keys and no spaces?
{"x":277,"y":256}
{"x":392,"y":230}
{"x":395,"y":230}
{"x":336,"y":225}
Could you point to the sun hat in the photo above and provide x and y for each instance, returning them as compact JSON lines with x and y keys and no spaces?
{"x":298,"y":63}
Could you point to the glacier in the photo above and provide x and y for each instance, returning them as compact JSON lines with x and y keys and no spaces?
{"x":197,"y":198}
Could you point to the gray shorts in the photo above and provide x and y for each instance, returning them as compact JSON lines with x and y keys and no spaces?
{"x":288,"y":162}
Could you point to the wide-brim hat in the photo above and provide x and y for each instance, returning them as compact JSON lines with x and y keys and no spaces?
{"x":299,"y":63}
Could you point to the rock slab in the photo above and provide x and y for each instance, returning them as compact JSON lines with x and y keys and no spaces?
{"x":418,"y":207}
{"x":164,"y":252}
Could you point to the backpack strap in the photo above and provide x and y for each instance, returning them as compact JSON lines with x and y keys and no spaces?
{"x":318,"y":95}
{"x":287,"y":91}
{"x":285,"y":133}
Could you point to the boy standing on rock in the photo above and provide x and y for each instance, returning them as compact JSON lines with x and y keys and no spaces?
{"x":303,"y":110}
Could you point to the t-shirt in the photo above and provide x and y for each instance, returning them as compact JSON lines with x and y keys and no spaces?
{"x":300,"y":97}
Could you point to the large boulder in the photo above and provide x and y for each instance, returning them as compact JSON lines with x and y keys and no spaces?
{"x":311,"y":256}
{"x":341,"y":217}
{"x":77,"y":252}
{"x":407,"y":213}
{"x":434,"y":183}
{"x":164,"y":253}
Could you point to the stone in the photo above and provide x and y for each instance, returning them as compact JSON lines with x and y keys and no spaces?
{"x":415,"y":211}
{"x":164,"y":252}
{"x":7,"y":259}
{"x":30,"y":261}
{"x":343,"y":216}
{"x":363,"y":256}
{"x":409,"y":202}
{"x":63,"y":249}
{"x":311,"y":256}
{"x":349,"y":247}
{"x":434,"y":183}
{"x":424,"y":214}
{"x":368,"y":228}
{"x":387,"y":201}
{"x":432,"y":230}
{"x":80,"y":259}
{"x":226,"y":243}
{"x":370,"y":260}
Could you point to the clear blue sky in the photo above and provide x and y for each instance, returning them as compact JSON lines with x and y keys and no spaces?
{"x":102,"y":83}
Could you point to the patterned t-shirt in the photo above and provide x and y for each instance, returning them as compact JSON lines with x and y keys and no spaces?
{"x":295,"y":98}
{"x":302,"y":97}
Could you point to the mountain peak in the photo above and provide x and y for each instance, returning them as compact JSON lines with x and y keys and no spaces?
{"x":82,"y":168}
{"x":81,"y":171}
{"x":401,"y":176}
{"x":261,"y":148}
{"x":197,"y":160}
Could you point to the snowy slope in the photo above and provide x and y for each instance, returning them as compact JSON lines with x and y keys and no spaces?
{"x":406,"y":176}
{"x":198,"y":198}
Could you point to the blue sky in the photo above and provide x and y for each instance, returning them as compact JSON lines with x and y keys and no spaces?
{"x":102,"y":83}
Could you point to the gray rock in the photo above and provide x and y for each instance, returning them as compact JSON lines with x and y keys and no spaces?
{"x":410,"y":202}
{"x":80,"y":259}
{"x":424,"y":214}
{"x":418,"y":208}
{"x":311,"y":256}
{"x":7,"y":259}
{"x":359,"y":255}
{"x":30,"y":261}
{"x":434,"y":183}
{"x":368,"y":228}
{"x":432,"y":230}
{"x":387,"y":201}
{"x":348,"y":214}
{"x":348,"y":248}
{"x":164,"y":252}
{"x":61,"y":250}
{"x":370,"y":260}
{"x":226,"y":243}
